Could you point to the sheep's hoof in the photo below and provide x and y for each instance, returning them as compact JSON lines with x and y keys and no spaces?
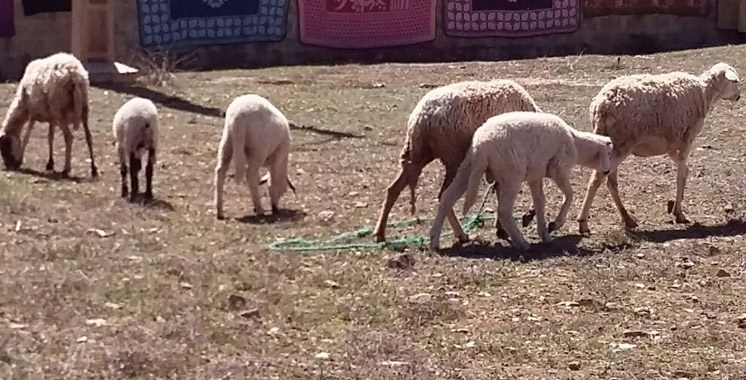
{"x":148,"y":196}
{"x":546,"y":238}
{"x":521,"y":245}
{"x":275,"y":210}
{"x":464,"y":238}
{"x":379,"y":237}
{"x":94,"y":172}
{"x":630,"y":222}
{"x":528,"y":217}
{"x":133,"y":197}
{"x":434,"y":247}
{"x":583,"y":228}
{"x":125,"y":193}
{"x":501,"y":234}
{"x":669,"y":206}
{"x":50,"y":166}
{"x":220,"y":216}
{"x":552,"y":227}
{"x":681,"y":219}
{"x":65,"y":173}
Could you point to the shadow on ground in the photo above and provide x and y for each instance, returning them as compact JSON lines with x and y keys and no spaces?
{"x":285,"y":215}
{"x":732,"y":227}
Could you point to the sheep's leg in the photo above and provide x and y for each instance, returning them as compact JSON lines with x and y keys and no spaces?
{"x":563,"y":183}
{"x":537,"y":194}
{"x":506,"y":199}
{"x":458,"y":230}
{"x":447,"y":199}
{"x":89,"y":141}
{"x":252,"y":177}
{"x":613,"y":184}
{"x":67,"y":134}
{"x":135,"y":165}
{"x":682,"y":174}
{"x":149,"y":174}
{"x":123,"y":173}
{"x":499,"y":230}
{"x":278,"y":172}
{"x":224,"y":158}
{"x":50,"y":142}
{"x":408,"y":175}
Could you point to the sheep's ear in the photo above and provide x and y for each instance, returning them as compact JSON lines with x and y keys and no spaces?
{"x":731,"y":76}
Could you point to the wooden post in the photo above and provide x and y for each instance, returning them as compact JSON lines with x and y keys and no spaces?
{"x":93,"y":41}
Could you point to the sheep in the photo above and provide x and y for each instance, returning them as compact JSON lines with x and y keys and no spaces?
{"x":441,"y":127}
{"x":523,"y":146}
{"x":135,"y":128}
{"x":651,"y":115}
{"x":256,"y":134}
{"x":54,"y":90}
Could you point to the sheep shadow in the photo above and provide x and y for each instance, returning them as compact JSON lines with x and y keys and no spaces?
{"x":732,"y":227}
{"x":50,"y":175}
{"x":165,"y":100}
{"x":561,"y":246}
{"x":285,"y":215}
{"x":152,"y":203}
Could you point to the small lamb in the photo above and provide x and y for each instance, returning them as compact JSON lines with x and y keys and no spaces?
{"x":523,"y":146}
{"x":651,"y":115}
{"x":256,"y":135}
{"x":135,"y":128}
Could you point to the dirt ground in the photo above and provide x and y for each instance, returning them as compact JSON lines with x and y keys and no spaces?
{"x":92,"y":286}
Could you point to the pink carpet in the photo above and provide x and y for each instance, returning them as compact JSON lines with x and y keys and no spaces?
{"x":358,"y":24}
{"x":510,"y":18}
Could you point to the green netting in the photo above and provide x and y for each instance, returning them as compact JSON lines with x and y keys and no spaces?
{"x":345,"y":240}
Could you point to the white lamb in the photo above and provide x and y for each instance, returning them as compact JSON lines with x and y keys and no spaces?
{"x":135,"y":128}
{"x":441,"y":127}
{"x":256,"y":135}
{"x":523,"y":146}
{"x":52,"y":90}
{"x":651,"y":115}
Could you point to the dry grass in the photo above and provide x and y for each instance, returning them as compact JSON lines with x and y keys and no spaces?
{"x":181,"y":295}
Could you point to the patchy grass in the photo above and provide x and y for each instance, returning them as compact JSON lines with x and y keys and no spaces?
{"x":167,"y":291}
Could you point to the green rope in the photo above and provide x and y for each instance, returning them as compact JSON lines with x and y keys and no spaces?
{"x":341,"y":241}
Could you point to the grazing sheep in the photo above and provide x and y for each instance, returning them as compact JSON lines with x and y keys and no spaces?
{"x":651,"y":115}
{"x":523,"y":146}
{"x":135,"y":128}
{"x":441,"y":127}
{"x":53,"y":90}
{"x":256,"y":135}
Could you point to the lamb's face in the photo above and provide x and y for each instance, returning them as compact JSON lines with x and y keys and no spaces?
{"x":10,"y":150}
{"x":604,"y":156}
{"x":728,"y":82}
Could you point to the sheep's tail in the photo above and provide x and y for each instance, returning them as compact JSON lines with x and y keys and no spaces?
{"x":474,"y":167}
{"x":239,"y":156}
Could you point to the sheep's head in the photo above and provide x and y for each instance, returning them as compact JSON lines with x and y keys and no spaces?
{"x":727,"y":81}
{"x":602,"y":157}
{"x":11,"y":152}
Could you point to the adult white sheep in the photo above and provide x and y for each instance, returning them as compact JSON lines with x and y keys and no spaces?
{"x":256,"y":135}
{"x":651,"y":115}
{"x":441,"y":127}
{"x":52,"y":90}
{"x":135,"y":128}
{"x":523,"y":146}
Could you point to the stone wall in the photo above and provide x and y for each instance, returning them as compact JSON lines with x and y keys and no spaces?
{"x":43,"y":34}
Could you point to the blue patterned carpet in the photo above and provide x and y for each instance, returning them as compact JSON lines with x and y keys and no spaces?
{"x":170,"y":23}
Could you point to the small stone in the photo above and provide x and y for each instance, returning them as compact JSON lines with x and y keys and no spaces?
{"x":185,"y":285}
{"x":728,"y":208}
{"x":82,"y":339}
{"x":17,"y":326}
{"x":573,"y":366}
{"x":251,"y":313}
{"x":484,"y":294}
{"x":714,"y":250}
{"x":236,"y":302}
{"x":401,"y":261}
{"x":470,"y":344}
{"x":741,"y":321}
{"x":640,"y":255}
{"x":634,"y":334}
{"x":331,"y":284}
{"x":326,"y":217}
{"x":323,"y":356}
{"x":567,"y":304}
{"x":722,"y":273}
{"x":686,"y":264}
{"x":640,"y":286}
{"x":361,"y":205}
{"x":98,"y":322}
{"x":625,"y":346}
{"x":612,"y":306}
{"x":421,"y":298}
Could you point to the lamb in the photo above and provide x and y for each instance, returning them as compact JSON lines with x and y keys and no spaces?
{"x":256,"y":134}
{"x":651,"y":115}
{"x":135,"y":128}
{"x":523,"y":146}
{"x":52,"y":90}
{"x":441,"y":127}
